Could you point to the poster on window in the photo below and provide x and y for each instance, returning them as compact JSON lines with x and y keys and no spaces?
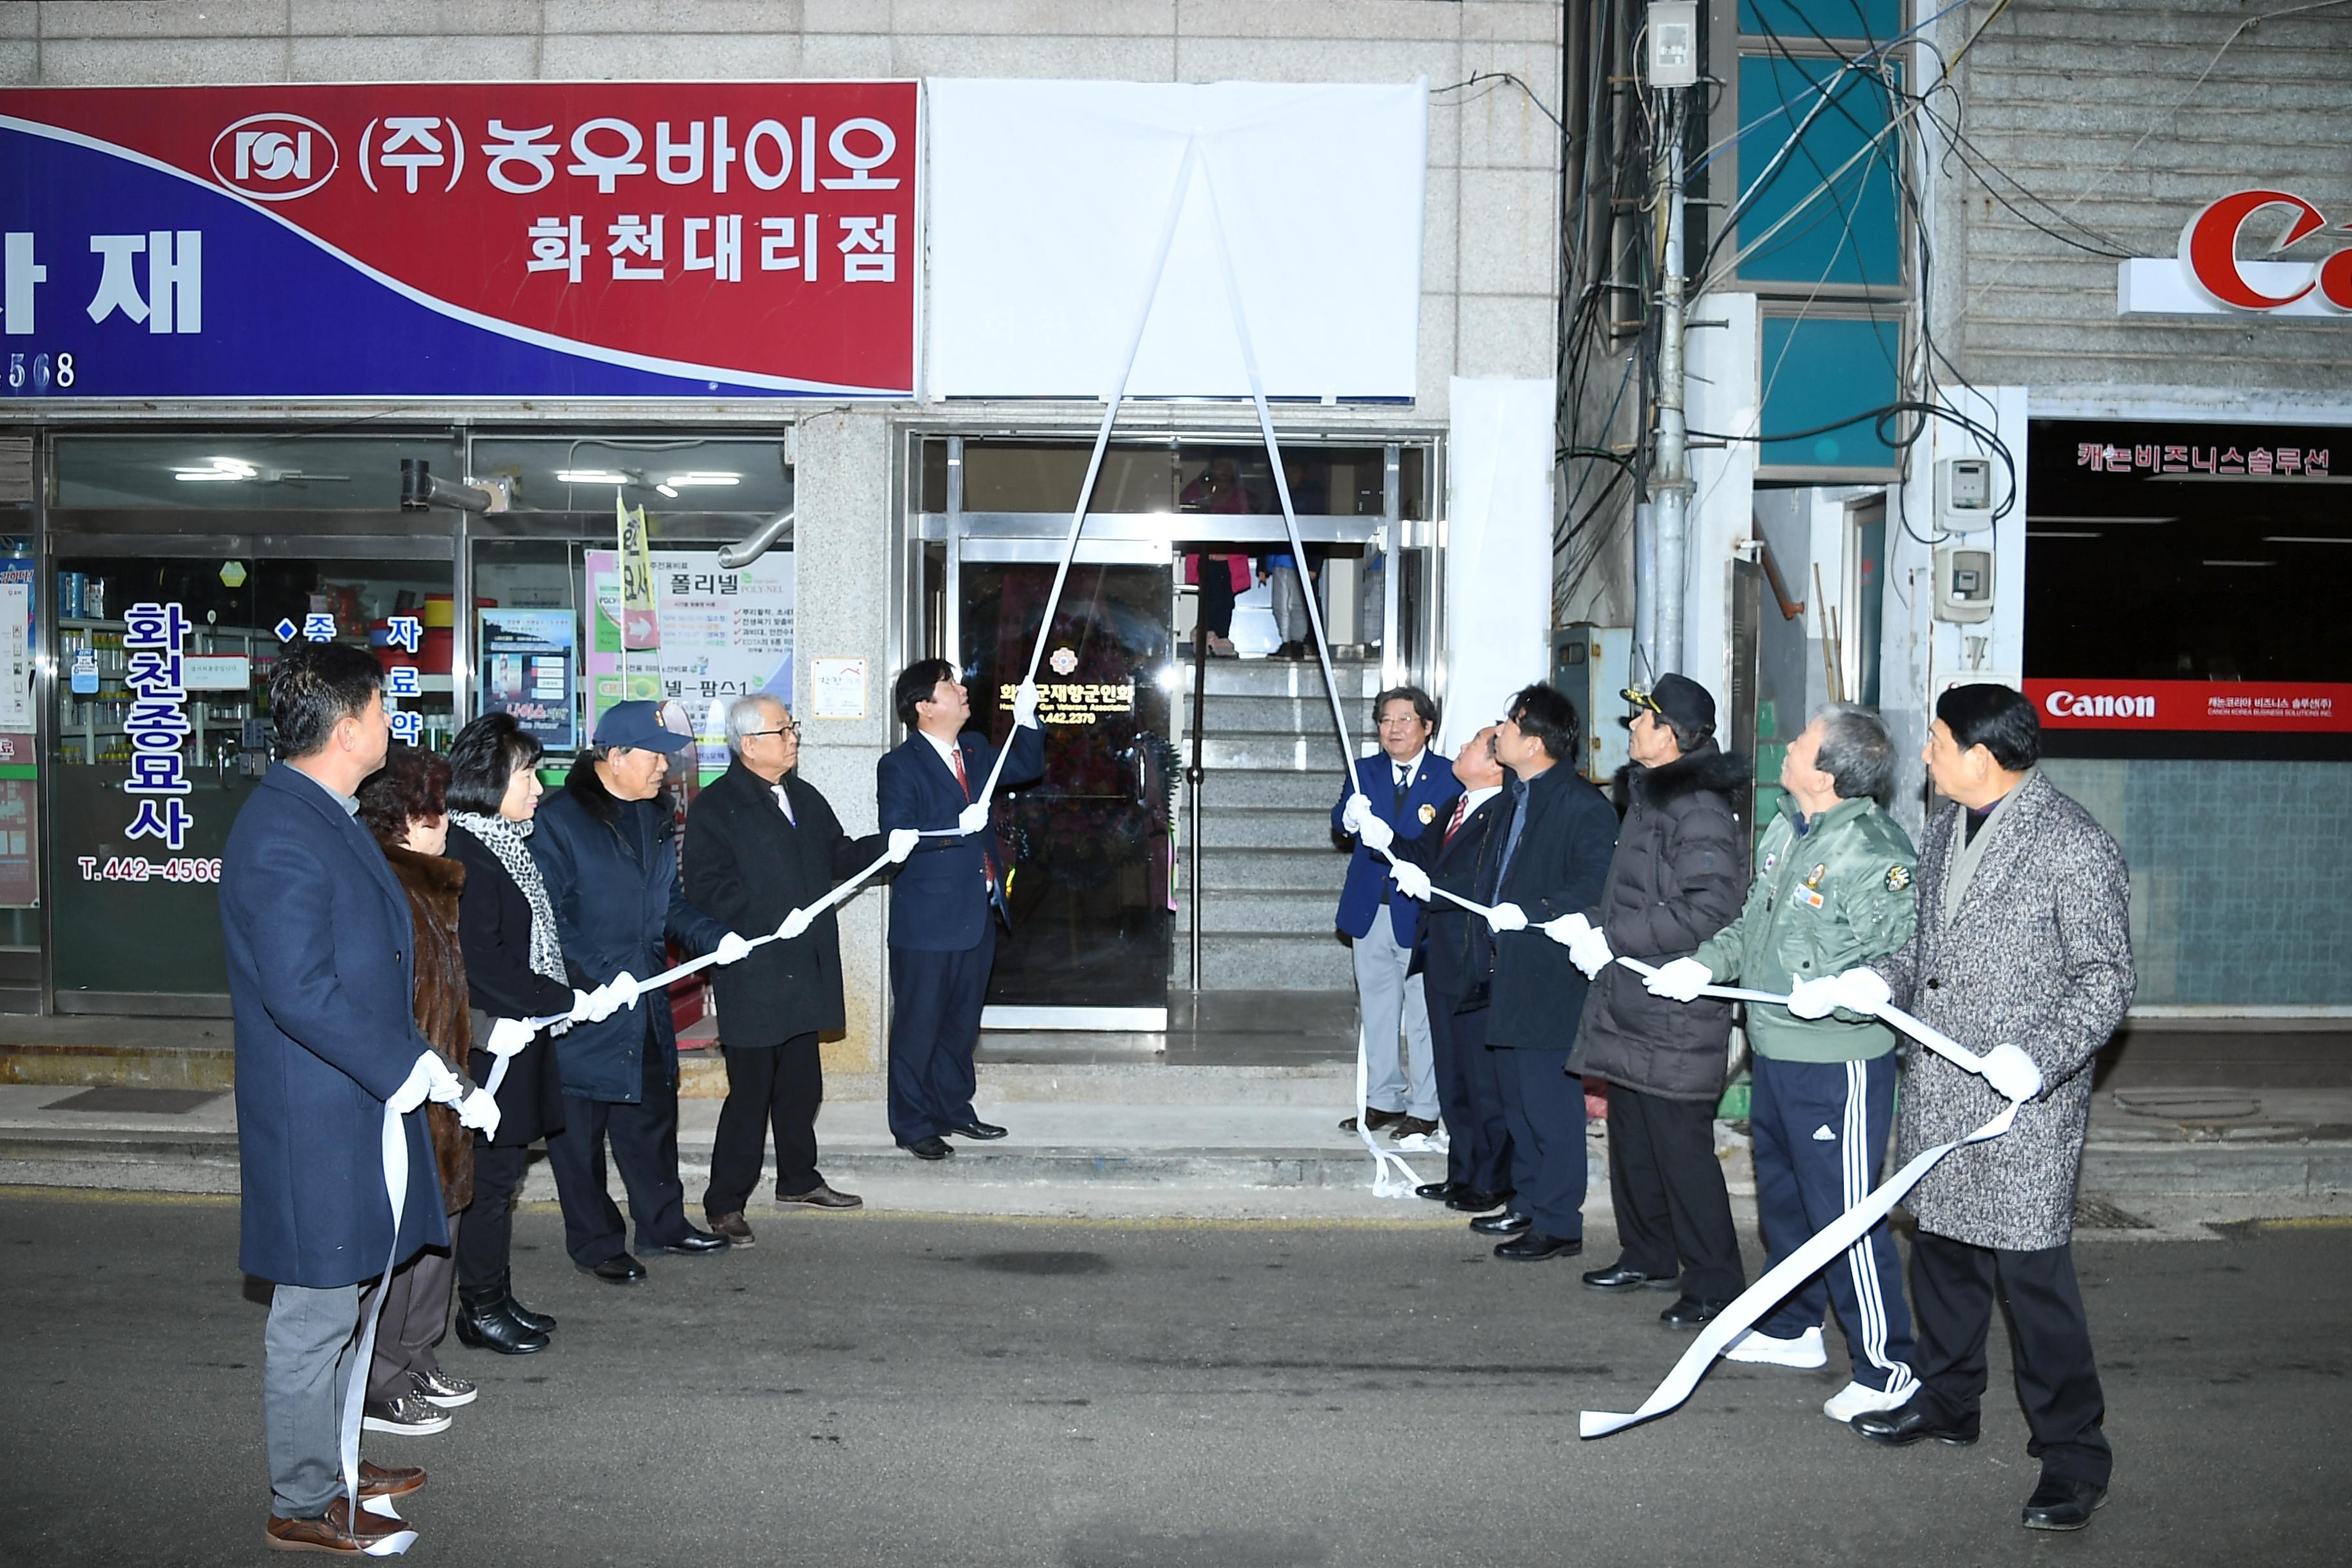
{"x":725,"y":634}
{"x":526,"y":671}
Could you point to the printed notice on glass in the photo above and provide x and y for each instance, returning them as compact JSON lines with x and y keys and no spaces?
{"x":17,"y":653}
{"x":837,"y":688}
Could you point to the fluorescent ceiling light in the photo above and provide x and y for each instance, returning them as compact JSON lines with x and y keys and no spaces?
{"x":705,"y":479}
{"x":2304,"y":539}
{"x":220,"y":469}
{"x":590,"y":477}
{"x":667,"y":491}
{"x":2241,"y":564}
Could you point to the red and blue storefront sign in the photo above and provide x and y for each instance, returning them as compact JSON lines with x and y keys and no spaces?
{"x":583,"y":239}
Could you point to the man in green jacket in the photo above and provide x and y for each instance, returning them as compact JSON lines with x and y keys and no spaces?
{"x":1833,"y":891}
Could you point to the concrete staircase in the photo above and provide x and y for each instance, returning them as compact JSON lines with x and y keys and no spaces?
{"x":1269,"y":873}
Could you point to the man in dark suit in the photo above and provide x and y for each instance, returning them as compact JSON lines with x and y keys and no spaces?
{"x":1456,"y":953}
{"x":762,"y":844}
{"x":1406,"y":790}
{"x":321,"y":970}
{"x":942,"y":937}
{"x":1556,"y":858}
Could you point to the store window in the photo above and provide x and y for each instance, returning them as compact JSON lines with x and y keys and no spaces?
{"x":240,"y":472}
{"x":1816,"y":370}
{"x":2184,"y":585}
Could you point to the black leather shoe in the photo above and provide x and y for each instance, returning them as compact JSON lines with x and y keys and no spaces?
{"x":542,"y":1322}
{"x":1690,"y":1312}
{"x":1511,"y":1222}
{"x":487,"y":1321}
{"x":978,"y":1130}
{"x":932,"y":1148}
{"x":2062,"y":1503}
{"x":1617,"y":1276}
{"x":1535,"y":1246}
{"x":1470,"y":1200}
{"x":695,"y":1243}
{"x":1437,"y":1191}
{"x":618,"y":1269}
{"x":1374,"y":1119}
{"x":1914,"y":1422}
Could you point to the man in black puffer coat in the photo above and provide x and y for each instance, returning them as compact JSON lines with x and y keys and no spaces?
{"x":1678,"y":877}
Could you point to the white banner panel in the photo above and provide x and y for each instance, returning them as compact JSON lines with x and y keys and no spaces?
{"x":1048,"y":200}
{"x":1498,"y":548}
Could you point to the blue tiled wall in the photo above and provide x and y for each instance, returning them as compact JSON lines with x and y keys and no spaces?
{"x":2241,"y":875}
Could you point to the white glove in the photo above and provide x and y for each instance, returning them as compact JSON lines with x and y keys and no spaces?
{"x":797,"y":922}
{"x":584,"y":1006}
{"x":1410,"y":880}
{"x":508,"y":1036}
{"x":480,"y":1111}
{"x":732,"y":947}
{"x":1590,"y":953}
{"x":1816,"y":998}
{"x":902,"y":843}
{"x":1024,"y":705}
{"x":1508,"y":917}
{"x":1680,"y":981}
{"x":1567,"y":929}
{"x":422,"y":1079}
{"x":1862,"y":989}
{"x":623,"y":990}
{"x":973,"y":818}
{"x":1352,"y":815}
{"x":1375,"y":833}
{"x":2011,"y":1072}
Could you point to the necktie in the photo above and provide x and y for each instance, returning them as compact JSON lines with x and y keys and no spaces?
{"x":1454,"y":825}
{"x":1403,"y":782}
{"x":785,"y":804}
{"x":963,"y":783}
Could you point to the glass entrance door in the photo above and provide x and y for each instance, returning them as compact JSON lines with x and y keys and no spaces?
{"x":1089,"y":849}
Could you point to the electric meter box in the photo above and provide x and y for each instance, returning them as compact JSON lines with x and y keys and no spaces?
{"x":1963,"y":494}
{"x":1963,"y":583}
{"x":1591,"y":666}
{"x":1673,"y":58}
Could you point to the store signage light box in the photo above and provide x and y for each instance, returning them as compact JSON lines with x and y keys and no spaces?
{"x":2208,"y":278}
{"x":672,"y":239}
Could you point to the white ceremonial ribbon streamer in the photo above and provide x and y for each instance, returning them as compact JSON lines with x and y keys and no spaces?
{"x":396,"y":1189}
{"x":1815,"y":1254}
{"x":508,"y":1037}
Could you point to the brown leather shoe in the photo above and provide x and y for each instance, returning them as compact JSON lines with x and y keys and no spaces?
{"x":332,"y":1530}
{"x":1375,"y":1119}
{"x":733,"y":1226}
{"x":1410,"y":1126}
{"x":819,"y":1196}
{"x":389,"y":1481}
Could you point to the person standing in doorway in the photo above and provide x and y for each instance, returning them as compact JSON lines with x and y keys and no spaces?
{"x":946,"y":900}
{"x":1401,"y":794}
{"x":761,"y":846}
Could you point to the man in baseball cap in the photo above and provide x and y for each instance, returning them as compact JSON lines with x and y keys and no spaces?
{"x":1681,"y":702}
{"x":638,"y":725}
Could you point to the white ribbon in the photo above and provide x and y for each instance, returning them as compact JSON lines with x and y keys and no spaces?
{"x":1815,"y":1254}
{"x":395,"y":1188}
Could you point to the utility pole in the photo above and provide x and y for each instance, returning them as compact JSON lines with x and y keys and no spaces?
{"x":1671,"y":70}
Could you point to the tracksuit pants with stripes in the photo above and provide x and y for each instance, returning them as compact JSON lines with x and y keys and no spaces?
{"x":1820,"y":1131}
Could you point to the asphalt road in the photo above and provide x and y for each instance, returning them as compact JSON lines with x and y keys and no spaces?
{"x":885,"y":1391}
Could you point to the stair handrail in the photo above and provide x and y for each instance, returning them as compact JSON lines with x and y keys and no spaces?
{"x":1193,"y":773}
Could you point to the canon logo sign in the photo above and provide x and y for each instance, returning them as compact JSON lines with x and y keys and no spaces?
{"x":2066,"y":705}
{"x":2209,"y":249}
{"x":274,"y":157}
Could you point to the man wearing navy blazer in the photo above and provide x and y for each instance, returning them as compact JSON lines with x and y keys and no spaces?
{"x":321,"y":970}
{"x":946,"y":900}
{"x":1411,"y":793}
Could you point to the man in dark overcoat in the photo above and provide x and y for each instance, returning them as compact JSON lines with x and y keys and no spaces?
{"x":761,"y":846}
{"x":2023,"y":939}
{"x":321,"y":970}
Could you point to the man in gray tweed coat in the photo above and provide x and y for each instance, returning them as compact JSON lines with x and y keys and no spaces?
{"x":2023,"y":937}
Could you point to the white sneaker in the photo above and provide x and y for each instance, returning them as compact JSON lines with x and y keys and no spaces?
{"x":1859,"y":1399}
{"x":1804,"y":1352}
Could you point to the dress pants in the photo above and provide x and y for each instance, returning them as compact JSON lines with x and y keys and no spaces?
{"x":1674,"y":1215}
{"x":415,"y":1316}
{"x":1389,"y":997}
{"x":1820,"y":1132}
{"x":644,"y":1147}
{"x":484,"y":1245}
{"x":1952,"y":1286}
{"x":781,"y":1086}
{"x":1544,"y":1104}
{"x":1479,"y":1139}
{"x":1289,"y":596}
{"x":935,"y":1003}
{"x":306,"y":1352}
